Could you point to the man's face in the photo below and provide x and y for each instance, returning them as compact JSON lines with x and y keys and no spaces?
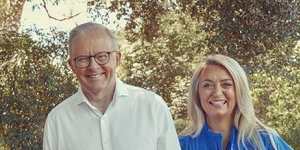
{"x":94,"y":78}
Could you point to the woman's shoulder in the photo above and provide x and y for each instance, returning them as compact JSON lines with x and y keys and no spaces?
{"x":188,"y":142}
{"x":183,"y":139}
{"x":270,"y":138}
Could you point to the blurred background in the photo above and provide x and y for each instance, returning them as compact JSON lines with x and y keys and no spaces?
{"x":162,"y":41}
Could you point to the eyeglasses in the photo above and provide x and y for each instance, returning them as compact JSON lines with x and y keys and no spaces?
{"x":100,"y":58}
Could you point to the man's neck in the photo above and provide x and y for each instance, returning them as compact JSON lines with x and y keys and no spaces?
{"x":102,"y":99}
{"x":101,"y":102}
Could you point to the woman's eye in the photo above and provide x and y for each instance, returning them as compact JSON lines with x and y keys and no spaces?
{"x":227,"y":84}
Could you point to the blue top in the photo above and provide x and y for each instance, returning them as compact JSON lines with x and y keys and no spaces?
{"x":208,"y":140}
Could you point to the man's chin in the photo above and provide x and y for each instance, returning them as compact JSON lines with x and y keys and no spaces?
{"x":96,"y":89}
{"x":92,"y":89}
{"x":96,"y":86}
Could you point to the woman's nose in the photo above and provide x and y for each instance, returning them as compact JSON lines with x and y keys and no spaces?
{"x":218,"y":90}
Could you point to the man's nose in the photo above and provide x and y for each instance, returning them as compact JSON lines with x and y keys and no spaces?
{"x":93,"y":63}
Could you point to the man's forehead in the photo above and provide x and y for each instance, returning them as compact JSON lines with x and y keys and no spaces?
{"x":96,"y":34}
{"x":91,"y":38}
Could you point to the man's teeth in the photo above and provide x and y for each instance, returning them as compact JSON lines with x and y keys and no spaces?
{"x":95,"y":76}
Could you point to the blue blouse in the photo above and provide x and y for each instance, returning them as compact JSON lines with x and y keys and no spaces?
{"x":208,"y":140}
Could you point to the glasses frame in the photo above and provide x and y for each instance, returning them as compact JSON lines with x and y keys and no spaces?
{"x":108,"y":53}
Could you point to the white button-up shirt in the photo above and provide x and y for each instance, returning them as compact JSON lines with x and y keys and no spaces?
{"x":136,"y":119}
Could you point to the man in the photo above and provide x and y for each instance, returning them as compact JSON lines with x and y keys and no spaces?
{"x":105,"y":113}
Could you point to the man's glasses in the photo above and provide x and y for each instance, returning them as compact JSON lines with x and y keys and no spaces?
{"x":100,"y":58}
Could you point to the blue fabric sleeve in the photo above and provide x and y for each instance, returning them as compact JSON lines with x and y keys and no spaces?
{"x":186,"y":143}
{"x":279,"y":142}
{"x":182,"y":141}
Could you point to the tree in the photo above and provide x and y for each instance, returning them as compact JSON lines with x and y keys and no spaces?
{"x":10,"y":14}
{"x":233,"y":26}
{"x":164,"y":65}
{"x":243,"y":29}
{"x":167,"y":41}
{"x":33,"y":81}
{"x":276,"y":84}
{"x":260,"y":35}
{"x":142,"y":16}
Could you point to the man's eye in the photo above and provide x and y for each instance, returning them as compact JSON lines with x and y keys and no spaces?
{"x":82,"y":59}
{"x":101,"y":57}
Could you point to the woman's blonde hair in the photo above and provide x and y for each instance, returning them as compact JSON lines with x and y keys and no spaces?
{"x":244,"y":120}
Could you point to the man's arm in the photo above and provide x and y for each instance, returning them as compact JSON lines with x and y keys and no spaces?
{"x":50,"y":138}
{"x":167,"y":139}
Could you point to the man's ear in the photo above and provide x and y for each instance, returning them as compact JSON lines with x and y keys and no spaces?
{"x":70,"y":65}
{"x":118,"y":58}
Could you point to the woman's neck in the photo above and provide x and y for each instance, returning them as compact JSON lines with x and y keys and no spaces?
{"x":223,"y":126}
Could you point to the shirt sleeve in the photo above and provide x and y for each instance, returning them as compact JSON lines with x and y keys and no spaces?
{"x":50,"y":138}
{"x":167,"y":136}
{"x":280,"y":143}
{"x":183,"y":141}
{"x":273,"y":139}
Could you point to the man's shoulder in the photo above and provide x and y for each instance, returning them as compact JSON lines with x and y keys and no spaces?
{"x":143,"y":95}
{"x":139,"y":90}
{"x":64,"y":106}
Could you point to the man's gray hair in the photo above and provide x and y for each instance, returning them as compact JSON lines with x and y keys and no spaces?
{"x":91,"y":27}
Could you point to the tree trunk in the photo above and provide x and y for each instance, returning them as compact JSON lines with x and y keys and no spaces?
{"x":10,"y":14}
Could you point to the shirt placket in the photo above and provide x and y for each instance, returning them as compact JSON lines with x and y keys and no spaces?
{"x":99,"y":116}
{"x":104,"y":126}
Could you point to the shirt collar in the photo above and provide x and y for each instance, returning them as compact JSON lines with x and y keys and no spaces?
{"x":121,"y":90}
{"x":209,"y":133}
{"x":208,"y":130}
{"x":85,"y":100}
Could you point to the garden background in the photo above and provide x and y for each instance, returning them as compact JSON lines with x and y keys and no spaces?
{"x":162,"y":42}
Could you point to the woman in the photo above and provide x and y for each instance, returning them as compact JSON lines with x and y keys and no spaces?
{"x":221,"y":112}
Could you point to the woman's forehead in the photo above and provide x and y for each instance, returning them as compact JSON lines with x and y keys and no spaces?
{"x":214,"y":72}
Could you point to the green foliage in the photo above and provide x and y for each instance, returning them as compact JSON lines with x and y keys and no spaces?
{"x":233,"y":26}
{"x":164,"y":65}
{"x":33,"y":81}
{"x":276,"y":84}
{"x":254,"y":26}
{"x":260,"y":35}
{"x":269,"y":56}
{"x":167,"y":41}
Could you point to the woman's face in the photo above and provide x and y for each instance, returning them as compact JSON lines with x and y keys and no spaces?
{"x":216,"y":92}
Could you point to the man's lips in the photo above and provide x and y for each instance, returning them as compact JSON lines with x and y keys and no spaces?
{"x":96,"y":75}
